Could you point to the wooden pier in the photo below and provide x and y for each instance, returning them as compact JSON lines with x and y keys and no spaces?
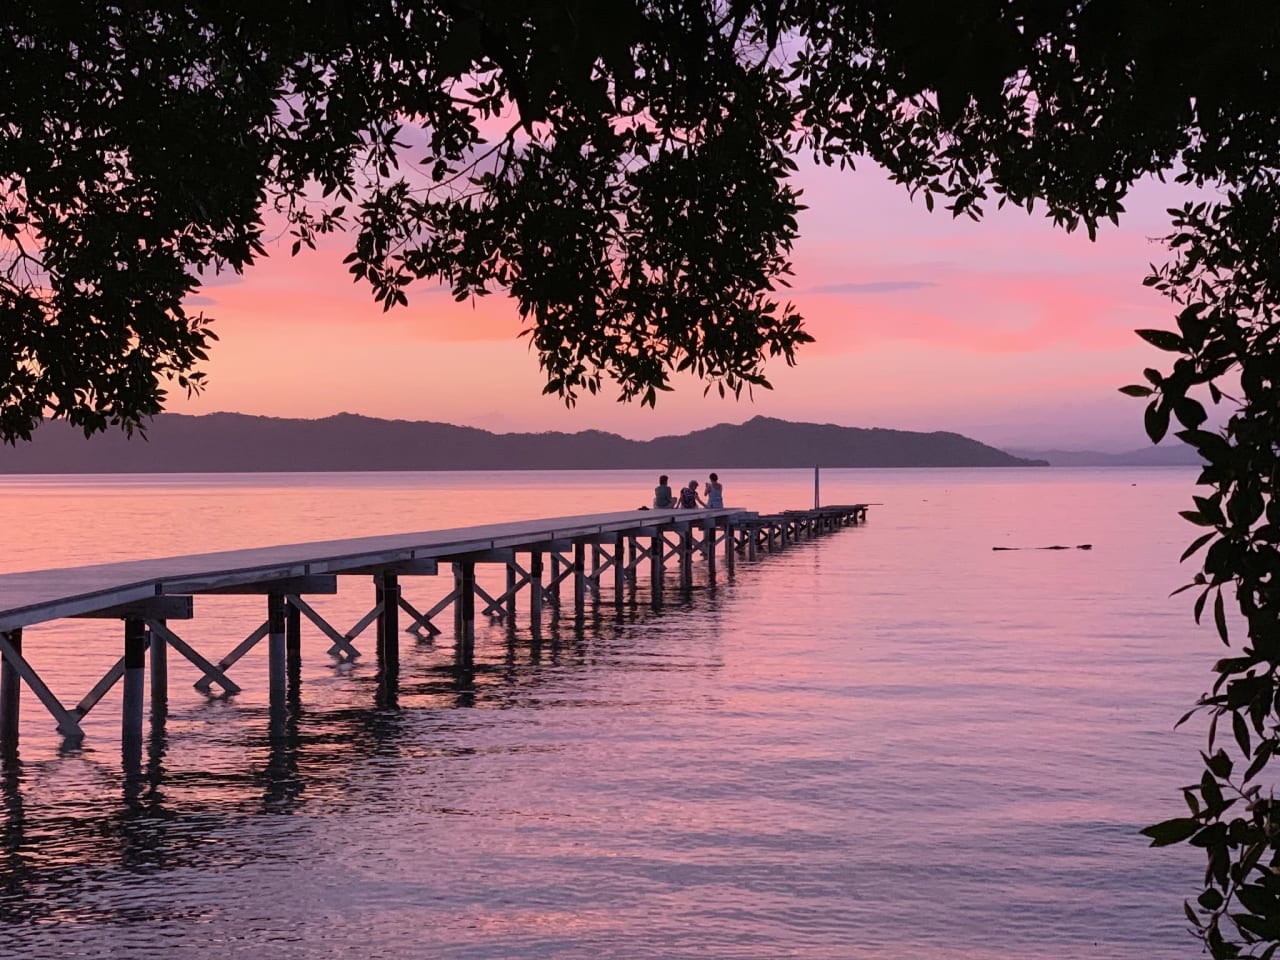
{"x":551,"y":563}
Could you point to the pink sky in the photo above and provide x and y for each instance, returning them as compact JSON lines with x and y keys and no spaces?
{"x":1005,"y":330}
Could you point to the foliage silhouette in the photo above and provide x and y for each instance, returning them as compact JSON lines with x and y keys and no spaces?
{"x":639,"y":210}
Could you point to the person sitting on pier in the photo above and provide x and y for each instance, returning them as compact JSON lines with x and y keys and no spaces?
{"x":715,"y":493}
{"x":689,"y":498}
{"x":663,"y":499}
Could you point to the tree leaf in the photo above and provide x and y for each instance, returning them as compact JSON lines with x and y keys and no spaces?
{"x":1157,"y":420}
{"x":1171,"y":831}
{"x":1164,"y":339}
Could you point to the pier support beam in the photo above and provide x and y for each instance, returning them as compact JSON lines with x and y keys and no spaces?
{"x":10,"y":692}
{"x":619,"y":574}
{"x":730,"y":546}
{"x":389,"y":622}
{"x":158,"y":651}
{"x":135,"y":664}
{"x":293,"y":637}
{"x":276,"y":646}
{"x":657,"y":555}
{"x":535,"y":589}
{"x":709,"y":547}
{"x":465,"y":575}
{"x":579,"y":578}
{"x":511,"y":594}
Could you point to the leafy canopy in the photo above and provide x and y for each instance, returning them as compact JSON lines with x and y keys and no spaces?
{"x":637,"y":206}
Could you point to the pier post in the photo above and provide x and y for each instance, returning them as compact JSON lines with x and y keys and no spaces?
{"x":158,"y":650}
{"x":379,"y":604}
{"x":632,"y":549}
{"x":10,"y":692}
{"x":730,"y":546}
{"x":293,"y":638}
{"x":535,"y":589}
{"x":135,"y":665}
{"x":466,"y":574}
{"x":595,"y":569}
{"x":555,"y":577}
{"x":511,"y":594}
{"x":579,"y":577}
{"x":686,"y":556}
{"x":619,"y":575}
{"x":276,"y":666}
{"x":709,"y":547}
{"x":657,"y":551}
{"x":389,"y":623}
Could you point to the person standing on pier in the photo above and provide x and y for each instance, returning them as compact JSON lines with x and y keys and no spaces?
{"x":663,"y":499}
{"x":689,"y":498}
{"x":715,"y":493}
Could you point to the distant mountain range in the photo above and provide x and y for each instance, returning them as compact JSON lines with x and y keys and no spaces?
{"x":1176,"y":454}
{"x":232,"y":442}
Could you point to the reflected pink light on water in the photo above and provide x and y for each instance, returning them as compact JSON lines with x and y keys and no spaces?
{"x":892,"y":742}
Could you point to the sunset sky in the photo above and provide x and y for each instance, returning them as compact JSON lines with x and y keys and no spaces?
{"x":1006,"y":330}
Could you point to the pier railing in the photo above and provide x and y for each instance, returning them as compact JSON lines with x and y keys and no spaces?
{"x":542,"y":559}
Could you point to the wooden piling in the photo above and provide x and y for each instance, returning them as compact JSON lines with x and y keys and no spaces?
{"x":389,"y":622}
{"x":10,"y":694}
{"x":158,"y":651}
{"x":686,"y":556}
{"x":619,"y":577}
{"x":511,"y":594}
{"x":466,"y":574}
{"x":709,"y":547}
{"x":535,"y":588}
{"x":657,"y":563}
{"x":276,"y":666}
{"x":293,"y":636}
{"x":135,"y":665}
{"x":579,"y":578}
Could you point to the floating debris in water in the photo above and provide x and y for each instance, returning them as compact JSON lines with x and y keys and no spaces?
{"x":1078,"y":546}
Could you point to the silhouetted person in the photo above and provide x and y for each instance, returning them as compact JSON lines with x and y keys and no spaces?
{"x":715,"y":493}
{"x":689,"y":498}
{"x":662,"y":496}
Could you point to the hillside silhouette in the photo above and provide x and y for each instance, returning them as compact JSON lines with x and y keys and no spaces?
{"x":232,"y":442}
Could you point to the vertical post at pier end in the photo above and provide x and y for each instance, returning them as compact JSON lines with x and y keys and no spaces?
{"x":135,"y":663}
{"x":657,"y":554}
{"x":709,"y":546}
{"x":293,"y":639}
{"x":158,"y":652}
{"x":511,"y":594}
{"x":10,"y":692}
{"x":276,"y":646}
{"x":535,"y":590}
{"x":579,"y":578}
{"x":619,"y":572}
{"x":389,"y":623}
{"x":465,"y":572}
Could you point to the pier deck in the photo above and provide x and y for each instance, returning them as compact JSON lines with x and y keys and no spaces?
{"x":150,"y":595}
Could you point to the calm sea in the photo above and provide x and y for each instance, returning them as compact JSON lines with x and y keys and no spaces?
{"x":891,"y":742}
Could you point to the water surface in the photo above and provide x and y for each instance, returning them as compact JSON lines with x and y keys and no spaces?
{"x":892,"y":742}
